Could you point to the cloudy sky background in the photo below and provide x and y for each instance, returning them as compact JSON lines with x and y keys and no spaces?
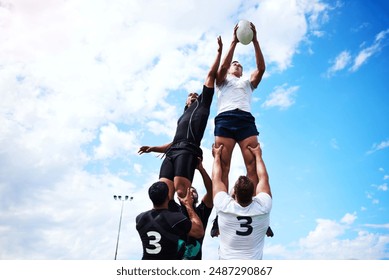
{"x":84,"y":84}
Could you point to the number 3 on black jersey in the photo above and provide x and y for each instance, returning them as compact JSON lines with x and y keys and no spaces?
{"x":245,"y":223}
{"x":154,"y":242}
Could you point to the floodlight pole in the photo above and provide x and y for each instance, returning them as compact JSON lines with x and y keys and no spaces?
{"x":125,"y":198}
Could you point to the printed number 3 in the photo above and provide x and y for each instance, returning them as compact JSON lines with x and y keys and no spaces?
{"x":154,"y":242}
{"x":246,"y":225}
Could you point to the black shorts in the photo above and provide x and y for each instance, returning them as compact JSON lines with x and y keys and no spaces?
{"x":181,"y":164}
{"x":235,"y":124}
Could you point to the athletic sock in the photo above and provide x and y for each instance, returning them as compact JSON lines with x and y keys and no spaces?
{"x":215,"y":228}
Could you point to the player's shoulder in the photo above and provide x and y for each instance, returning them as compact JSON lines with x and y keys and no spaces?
{"x":221,"y":198}
{"x":173,"y":216}
{"x":263,"y":195}
{"x":264,"y":199}
{"x":221,"y":194}
{"x":141,"y":215}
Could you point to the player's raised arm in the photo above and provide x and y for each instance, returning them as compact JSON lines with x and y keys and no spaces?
{"x":210,"y":79}
{"x":208,"y":198}
{"x":217,"y":172}
{"x":197,"y":229}
{"x":263,"y":177}
{"x":225,"y":65}
{"x":257,"y":74}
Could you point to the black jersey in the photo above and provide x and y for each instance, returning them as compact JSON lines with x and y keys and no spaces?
{"x":161,"y":232}
{"x":203,"y":212}
{"x":190,"y":130}
{"x":191,"y":125}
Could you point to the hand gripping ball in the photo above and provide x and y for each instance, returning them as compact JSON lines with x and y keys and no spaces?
{"x":244,"y":32}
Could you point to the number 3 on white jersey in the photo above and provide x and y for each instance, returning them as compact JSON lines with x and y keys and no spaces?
{"x":154,"y":242}
{"x":245,"y":224}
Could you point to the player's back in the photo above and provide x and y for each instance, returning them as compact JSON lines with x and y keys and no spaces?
{"x":242,"y":229}
{"x":160,"y":232}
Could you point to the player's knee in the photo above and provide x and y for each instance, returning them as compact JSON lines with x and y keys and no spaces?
{"x":181,"y":191}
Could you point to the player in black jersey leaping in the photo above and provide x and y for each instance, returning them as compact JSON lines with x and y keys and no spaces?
{"x":181,"y":155}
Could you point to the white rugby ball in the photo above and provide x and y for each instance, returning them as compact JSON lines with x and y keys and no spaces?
{"x":244,"y":32}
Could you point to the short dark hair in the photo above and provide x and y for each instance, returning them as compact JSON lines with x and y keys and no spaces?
{"x":158,"y":193}
{"x":244,"y":190}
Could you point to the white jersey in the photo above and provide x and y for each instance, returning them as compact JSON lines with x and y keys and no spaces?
{"x":234,"y":93}
{"x":242,"y":229}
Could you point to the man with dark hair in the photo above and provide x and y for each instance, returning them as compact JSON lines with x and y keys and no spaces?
{"x":244,"y":189}
{"x":244,"y":217}
{"x":163,"y":233}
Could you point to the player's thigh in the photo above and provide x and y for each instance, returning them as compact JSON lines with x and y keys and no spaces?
{"x":166,"y":174}
{"x":248,"y":156}
{"x":184,"y":169}
{"x":228,"y":147}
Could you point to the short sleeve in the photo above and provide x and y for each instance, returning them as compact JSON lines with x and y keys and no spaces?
{"x":265,"y":200}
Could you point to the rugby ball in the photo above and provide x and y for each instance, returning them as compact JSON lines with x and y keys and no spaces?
{"x":244,"y":32}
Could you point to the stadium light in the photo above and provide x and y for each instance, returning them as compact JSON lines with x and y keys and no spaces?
{"x":122,"y":199}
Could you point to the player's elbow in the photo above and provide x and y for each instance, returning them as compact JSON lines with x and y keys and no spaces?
{"x":211,"y":75}
{"x":262,"y":68}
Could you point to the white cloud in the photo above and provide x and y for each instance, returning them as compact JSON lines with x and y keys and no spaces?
{"x":383,"y":187}
{"x":328,"y":241}
{"x":349,"y":219}
{"x":282,"y":97}
{"x":375,"y":201}
{"x":75,"y":219}
{"x":114,"y":143}
{"x":345,"y":58}
{"x":371,"y":196}
{"x":367,"y":52}
{"x":376,"y":147}
{"x":362,"y":57}
{"x":384,"y":226}
{"x":287,"y":36}
{"x":340,"y":62}
{"x":281,"y":39}
{"x":325,"y":231}
{"x":138,"y":168}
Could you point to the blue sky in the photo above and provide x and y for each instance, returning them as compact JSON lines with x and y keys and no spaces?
{"x":85,"y":83}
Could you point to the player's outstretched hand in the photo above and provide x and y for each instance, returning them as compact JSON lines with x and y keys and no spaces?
{"x":257,"y":151}
{"x":144,"y":149}
{"x":217,"y":151}
{"x":187,"y":200}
